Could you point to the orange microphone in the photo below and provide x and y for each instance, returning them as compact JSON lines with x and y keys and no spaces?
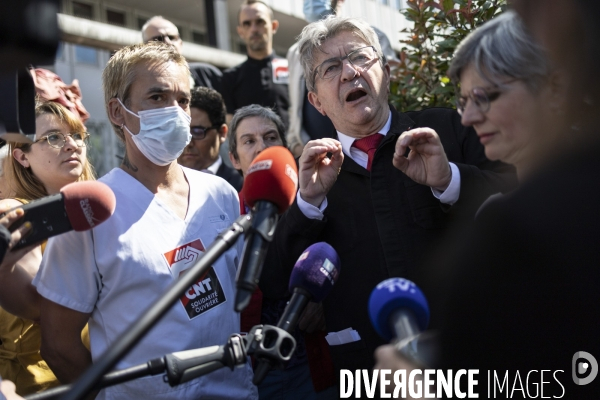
{"x":270,"y":186}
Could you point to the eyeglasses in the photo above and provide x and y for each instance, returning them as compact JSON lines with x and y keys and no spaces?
{"x":58,"y":140}
{"x":481,"y":97}
{"x":199,"y":132}
{"x":359,"y":58}
{"x":161,"y":38}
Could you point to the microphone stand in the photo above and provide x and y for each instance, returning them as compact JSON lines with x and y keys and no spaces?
{"x":264,"y":342}
{"x":132,"y":335}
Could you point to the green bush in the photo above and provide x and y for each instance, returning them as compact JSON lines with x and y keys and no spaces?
{"x":419,"y":80}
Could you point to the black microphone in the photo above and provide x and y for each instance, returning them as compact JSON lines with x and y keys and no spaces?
{"x":269,"y":187}
{"x":313,"y":276}
{"x":79,"y":206}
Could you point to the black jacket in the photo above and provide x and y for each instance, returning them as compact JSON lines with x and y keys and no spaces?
{"x":519,"y":292}
{"x":231,"y":175}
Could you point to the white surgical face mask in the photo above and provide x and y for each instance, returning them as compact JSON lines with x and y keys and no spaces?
{"x":164,"y":133}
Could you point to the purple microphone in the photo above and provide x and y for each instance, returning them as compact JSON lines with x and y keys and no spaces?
{"x":312,"y":278}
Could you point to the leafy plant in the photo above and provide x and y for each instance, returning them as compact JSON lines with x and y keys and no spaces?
{"x":419,"y":80}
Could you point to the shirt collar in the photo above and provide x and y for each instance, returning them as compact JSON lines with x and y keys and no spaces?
{"x":347,"y":141}
{"x":214,"y":167}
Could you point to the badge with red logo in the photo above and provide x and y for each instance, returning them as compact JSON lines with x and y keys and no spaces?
{"x":206,"y":293}
{"x":280,"y":70}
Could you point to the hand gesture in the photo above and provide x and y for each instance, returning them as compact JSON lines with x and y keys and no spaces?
{"x":426,"y":163}
{"x":317,"y":172}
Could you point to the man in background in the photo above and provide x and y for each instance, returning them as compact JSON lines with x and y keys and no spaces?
{"x":209,"y":131}
{"x":263,"y":77}
{"x":160,"y":29}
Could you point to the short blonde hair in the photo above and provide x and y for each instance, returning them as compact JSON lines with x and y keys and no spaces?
{"x":22,"y":182}
{"x":119,"y":73}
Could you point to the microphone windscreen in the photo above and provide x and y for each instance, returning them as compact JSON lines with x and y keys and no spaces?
{"x":88,"y":204}
{"x":316,"y":270}
{"x":273,"y":177}
{"x":394,"y":294}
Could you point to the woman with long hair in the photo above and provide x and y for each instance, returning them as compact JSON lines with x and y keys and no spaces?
{"x":57,"y":157}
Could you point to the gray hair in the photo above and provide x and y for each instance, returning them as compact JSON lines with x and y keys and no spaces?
{"x":499,"y":49}
{"x":315,"y":34}
{"x":253,"y":110}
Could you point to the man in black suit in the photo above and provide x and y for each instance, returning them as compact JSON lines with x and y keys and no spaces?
{"x":209,"y":131}
{"x":383,"y":205}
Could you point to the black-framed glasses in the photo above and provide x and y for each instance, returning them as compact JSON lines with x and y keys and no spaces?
{"x":199,"y":132}
{"x":58,"y":140}
{"x":359,"y":58}
{"x":481,"y":97}
{"x":161,"y":38}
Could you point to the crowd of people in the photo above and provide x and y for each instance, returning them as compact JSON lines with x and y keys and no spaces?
{"x":489,"y":207}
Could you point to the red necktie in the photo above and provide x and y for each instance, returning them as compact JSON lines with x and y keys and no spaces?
{"x":369,"y":145}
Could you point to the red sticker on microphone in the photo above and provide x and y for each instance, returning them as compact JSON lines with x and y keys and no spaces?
{"x":206,"y":293}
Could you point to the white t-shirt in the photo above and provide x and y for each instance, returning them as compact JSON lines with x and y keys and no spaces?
{"x":118,"y":269}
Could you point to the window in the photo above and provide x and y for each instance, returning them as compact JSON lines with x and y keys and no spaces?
{"x":83,"y":10}
{"x":198,"y":37}
{"x":86,"y":55}
{"x":114,"y":17}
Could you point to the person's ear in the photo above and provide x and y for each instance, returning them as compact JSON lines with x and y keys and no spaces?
{"x":236,"y":164}
{"x":223,"y":133}
{"x":116,"y":113}
{"x":21,"y":157}
{"x":275,"y":26}
{"x":387,"y":74}
{"x":313,"y":98}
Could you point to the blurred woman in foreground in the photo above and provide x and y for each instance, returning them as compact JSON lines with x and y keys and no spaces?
{"x":522,"y":287}
{"x":519,"y":292}
{"x":57,"y":157}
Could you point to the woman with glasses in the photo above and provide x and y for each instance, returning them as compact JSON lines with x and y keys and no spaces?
{"x":57,"y":157}
{"x":508,"y":92}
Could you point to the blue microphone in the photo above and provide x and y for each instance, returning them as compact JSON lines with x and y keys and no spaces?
{"x":399,"y":310}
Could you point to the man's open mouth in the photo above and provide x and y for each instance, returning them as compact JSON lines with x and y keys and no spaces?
{"x":355,"y":95}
